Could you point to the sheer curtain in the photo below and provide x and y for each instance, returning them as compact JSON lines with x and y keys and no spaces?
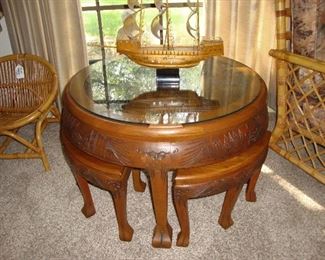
{"x":247,"y":28}
{"x":54,"y":30}
{"x":51,"y":29}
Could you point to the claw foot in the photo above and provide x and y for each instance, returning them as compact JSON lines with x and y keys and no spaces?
{"x":251,"y":196}
{"x":88,"y":211}
{"x":126,"y":234}
{"x":225,"y":222}
{"x":182,"y":239}
{"x":162,"y":237}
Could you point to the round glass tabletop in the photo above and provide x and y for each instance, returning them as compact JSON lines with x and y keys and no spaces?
{"x":122,"y":90}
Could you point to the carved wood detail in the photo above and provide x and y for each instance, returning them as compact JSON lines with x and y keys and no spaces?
{"x":228,"y":176}
{"x":159,"y":155}
{"x":208,"y":149}
{"x":218,"y":185}
{"x":86,"y":138}
{"x":100,"y":180}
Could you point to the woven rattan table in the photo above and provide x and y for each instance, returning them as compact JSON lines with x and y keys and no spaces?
{"x":115,"y":112}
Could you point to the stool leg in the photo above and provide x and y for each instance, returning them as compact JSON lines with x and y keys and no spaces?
{"x":119,"y":199}
{"x":229,"y":202}
{"x":88,"y":209}
{"x":250,"y":189}
{"x":138,"y":184}
{"x":181,"y":207}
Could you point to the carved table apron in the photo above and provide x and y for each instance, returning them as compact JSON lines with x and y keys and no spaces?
{"x":159,"y":149}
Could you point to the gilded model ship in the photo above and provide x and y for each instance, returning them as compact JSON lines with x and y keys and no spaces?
{"x":167,"y":54}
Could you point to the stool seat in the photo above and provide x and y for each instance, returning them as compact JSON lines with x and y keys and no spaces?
{"x":113,"y":178}
{"x":226,"y":176}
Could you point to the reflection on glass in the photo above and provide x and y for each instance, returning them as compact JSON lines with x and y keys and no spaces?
{"x":119,"y":89}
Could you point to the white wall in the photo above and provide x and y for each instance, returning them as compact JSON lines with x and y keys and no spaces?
{"x":5,"y":47}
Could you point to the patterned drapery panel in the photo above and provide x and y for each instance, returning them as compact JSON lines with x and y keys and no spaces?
{"x":309,"y":28}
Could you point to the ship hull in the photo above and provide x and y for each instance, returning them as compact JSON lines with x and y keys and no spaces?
{"x":175,"y":57}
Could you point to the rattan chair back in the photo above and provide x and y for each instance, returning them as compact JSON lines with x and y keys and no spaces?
{"x":28,"y":91}
{"x":300,"y":128}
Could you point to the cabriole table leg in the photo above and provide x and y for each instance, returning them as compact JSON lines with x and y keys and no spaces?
{"x":162,"y":235}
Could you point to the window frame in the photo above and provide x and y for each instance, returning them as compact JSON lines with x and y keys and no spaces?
{"x":98,"y":7}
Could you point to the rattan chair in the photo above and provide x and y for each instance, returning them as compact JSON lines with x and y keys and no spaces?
{"x":28,"y":90}
{"x":300,"y":128}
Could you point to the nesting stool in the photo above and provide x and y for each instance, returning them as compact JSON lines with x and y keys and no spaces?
{"x":113,"y":178}
{"x":229,"y":176}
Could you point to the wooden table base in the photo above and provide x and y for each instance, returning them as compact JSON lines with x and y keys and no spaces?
{"x":157,"y":149}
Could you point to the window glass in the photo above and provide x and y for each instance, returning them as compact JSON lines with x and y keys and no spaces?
{"x":110,"y":2}
{"x":102,"y":21}
{"x":87,"y":2}
{"x":103,"y":18}
{"x":111,"y":21}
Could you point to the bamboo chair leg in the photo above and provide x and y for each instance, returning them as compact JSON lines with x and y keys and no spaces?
{"x":56,"y":116}
{"x":21,"y":140}
{"x":34,"y":149}
{"x":277,"y":132}
{"x":42,"y":153}
{"x":34,"y":141}
{"x":6,"y":142}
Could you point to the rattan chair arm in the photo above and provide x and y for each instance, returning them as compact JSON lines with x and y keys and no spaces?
{"x":309,"y":63}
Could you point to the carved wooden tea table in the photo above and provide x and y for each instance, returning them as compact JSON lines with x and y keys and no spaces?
{"x":117,"y":112}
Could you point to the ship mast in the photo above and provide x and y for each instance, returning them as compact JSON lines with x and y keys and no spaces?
{"x":141,"y":21}
{"x":197,"y":21}
{"x":194,"y":31}
{"x":168,"y":25}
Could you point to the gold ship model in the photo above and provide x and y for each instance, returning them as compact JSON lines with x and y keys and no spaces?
{"x":167,"y":54}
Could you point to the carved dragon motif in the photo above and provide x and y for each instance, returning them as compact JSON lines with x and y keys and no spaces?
{"x":159,"y":155}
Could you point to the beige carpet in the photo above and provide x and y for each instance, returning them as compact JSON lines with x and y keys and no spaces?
{"x":40,"y":217}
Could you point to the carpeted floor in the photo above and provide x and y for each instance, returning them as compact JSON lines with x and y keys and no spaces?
{"x":40,"y":217}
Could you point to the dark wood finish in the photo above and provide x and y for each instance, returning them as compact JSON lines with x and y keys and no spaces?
{"x":229,"y":175}
{"x":113,"y":178}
